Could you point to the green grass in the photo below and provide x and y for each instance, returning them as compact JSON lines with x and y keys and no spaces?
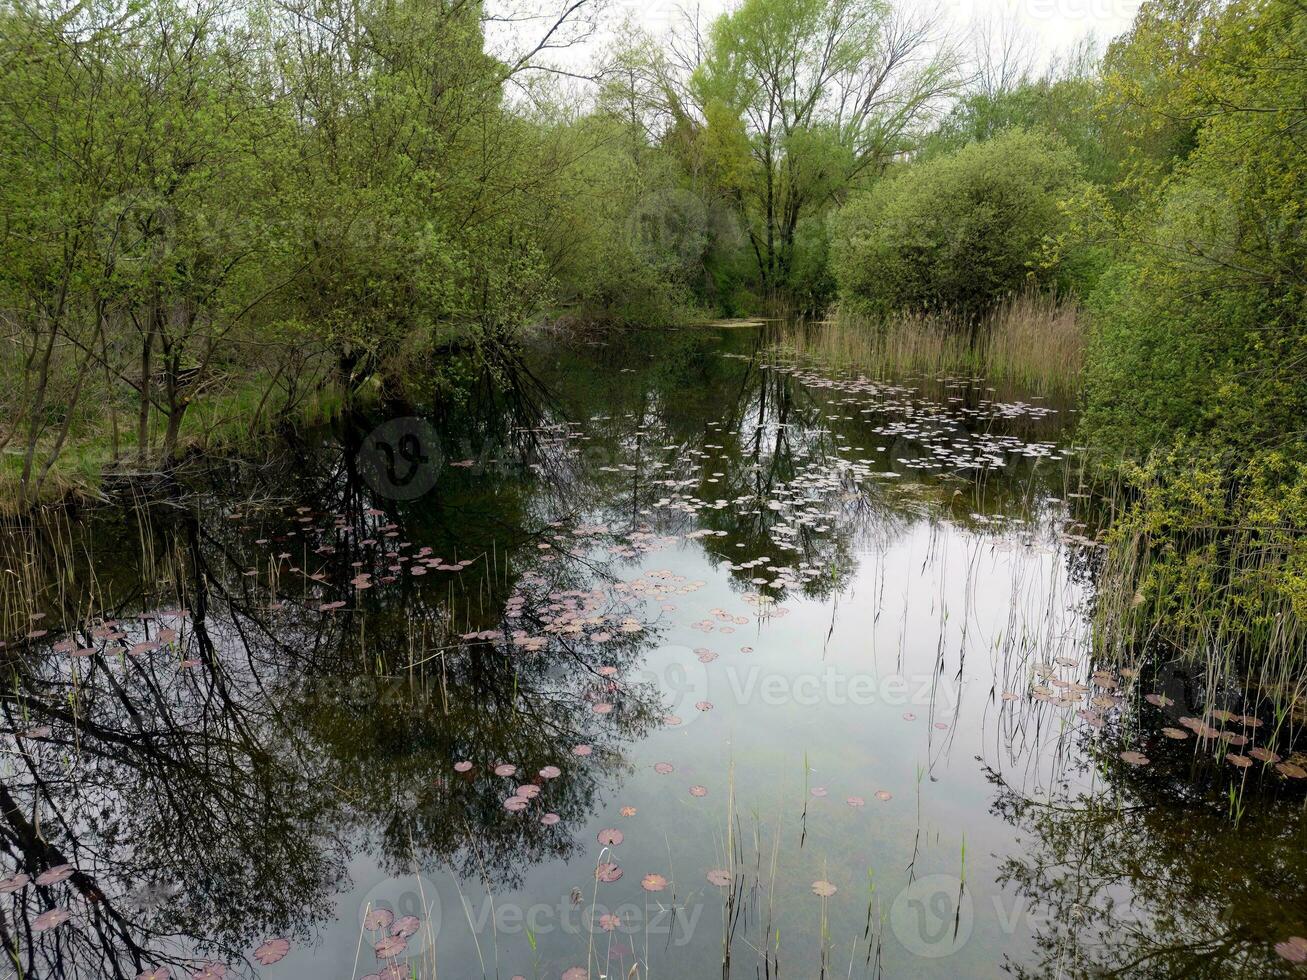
{"x":1206,"y":566}
{"x":227,"y":420}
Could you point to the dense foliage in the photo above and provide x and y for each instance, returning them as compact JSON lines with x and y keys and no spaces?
{"x":959,"y":232}
{"x":224,"y":213}
{"x":1203,"y":317}
{"x":1201,"y":341}
{"x":212,"y":214}
{"x":1163,"y":189}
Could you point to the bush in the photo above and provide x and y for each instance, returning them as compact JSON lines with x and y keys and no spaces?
{"x":1201,"y":329}
{"x":958,"y":232}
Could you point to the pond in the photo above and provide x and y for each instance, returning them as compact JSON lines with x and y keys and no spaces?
{"x":667,"y":656}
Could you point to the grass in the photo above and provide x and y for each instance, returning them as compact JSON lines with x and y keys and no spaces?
{"x":232,"y":419}
{"x":1034,"y":339}
{"x":1184,"y":584}
{"x":1182,"y":580}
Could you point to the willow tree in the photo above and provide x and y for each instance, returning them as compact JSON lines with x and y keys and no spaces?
{"x":799,"y":99}
{"x":414,"y":180}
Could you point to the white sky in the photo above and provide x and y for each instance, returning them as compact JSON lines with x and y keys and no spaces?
{"x":1051,"y":27}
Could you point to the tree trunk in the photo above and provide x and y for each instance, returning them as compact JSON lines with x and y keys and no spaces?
{"x":147,"y":366}
{"x":177,"y":404}
{"x":109,"y":386}
{"x":38,"y":407}
{"x":81,"y":371}
{"x":768,"y":273}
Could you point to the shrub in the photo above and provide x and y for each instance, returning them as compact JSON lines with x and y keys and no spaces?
{"x":958,"y":232}
{"x":1207,"y":557}
{"x":1196,"y":366}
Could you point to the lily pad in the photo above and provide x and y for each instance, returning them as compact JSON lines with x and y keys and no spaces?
{"x":52,"y":876}
{"x":607,"y":872}
{"x":390,"y":947}
{"x":272,"y":951}
{"x":50,"y":918}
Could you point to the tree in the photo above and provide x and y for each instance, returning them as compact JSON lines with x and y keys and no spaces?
{"x":202,"y":199}
{"x":1198,"y":357}
{"x":1065,"y":100}
{"x":799,"y":99}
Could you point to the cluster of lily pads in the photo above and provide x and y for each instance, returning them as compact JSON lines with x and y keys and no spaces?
{"x":389,"y":936}
{"x":1228,"y":730}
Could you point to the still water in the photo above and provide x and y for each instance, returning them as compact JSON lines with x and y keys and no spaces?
{"x":665,"y":657}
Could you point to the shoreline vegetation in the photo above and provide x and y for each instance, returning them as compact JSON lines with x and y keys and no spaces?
{"x":1036,"y":341}
{"x":224,"y":217}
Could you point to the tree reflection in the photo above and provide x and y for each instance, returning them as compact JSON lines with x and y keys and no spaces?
{"x":210,"y":765}
{"x":1169,"y":887}
{"x":248,"y":687}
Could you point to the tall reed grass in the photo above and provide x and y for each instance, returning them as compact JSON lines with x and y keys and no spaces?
{"x":1194,"y":575}
{"x":1034,"y":339}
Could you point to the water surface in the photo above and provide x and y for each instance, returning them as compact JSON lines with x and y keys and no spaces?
{"x":667,"y":657}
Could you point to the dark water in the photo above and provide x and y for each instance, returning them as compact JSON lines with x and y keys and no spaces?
{"x":811,"y":650}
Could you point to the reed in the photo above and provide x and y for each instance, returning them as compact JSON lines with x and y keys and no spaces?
{"x":1190,"y":575}
{"x":236,"y":421}
{"x":1215,"y":597}
{"x":1034,"y":339}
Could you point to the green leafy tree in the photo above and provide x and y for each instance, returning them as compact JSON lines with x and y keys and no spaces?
{"x":796,"y":100}
{"x":1199,"y":354}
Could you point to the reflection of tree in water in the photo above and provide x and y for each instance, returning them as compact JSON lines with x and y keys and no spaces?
{"x":164,"y":791}
{"x":702,"y":429}
{"x":802,"y":502}
{"x":1116,"y":887}
{"x":212,"y":805}
{"x":762,"y":434}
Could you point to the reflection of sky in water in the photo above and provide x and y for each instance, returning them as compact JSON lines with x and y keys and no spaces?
{"x":817,"y":606}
